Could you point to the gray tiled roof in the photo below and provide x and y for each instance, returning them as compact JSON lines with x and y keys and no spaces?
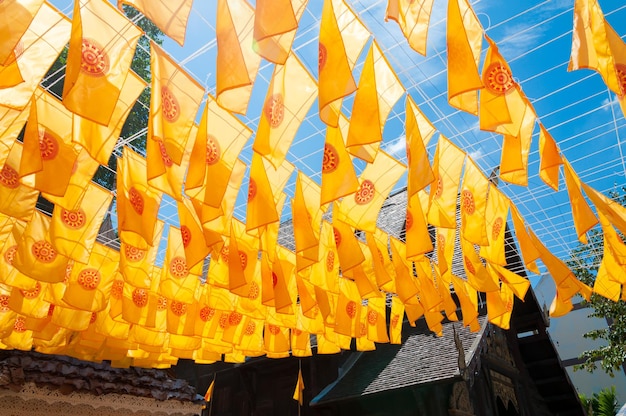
{"x":422,"y":358}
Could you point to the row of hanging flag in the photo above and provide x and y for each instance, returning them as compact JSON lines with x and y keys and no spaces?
{"x":63,"y":292}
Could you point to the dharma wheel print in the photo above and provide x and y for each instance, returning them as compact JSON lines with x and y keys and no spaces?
{"x":274,"y":329}
{"x":408,"y":221}
{"x":467,"y":202}
{"x":213,"y":152}
{"x":136,"y":200}
{"x":43,"y":251}
{"x":178,"y":267}
{"x":372,"y":317}
{"x":351,"y":309}
{"x":48,"y":146}
{"x":254,"y":291}
{"x":234,"y":318}
{"x":296,"y":331}
{"x":140,"y":297}
{"x":250,"y":328}
{"x":161,"y":303}
{"x":337,"y":235}
{"x":274,"y":110}
{"x":362,"y":329}
{"x":496,"y":228}
{"x":206,"y":313}
{"x":31,"y":293}
{"x":178,"y":308}
{"x":117,"y":291}
{"x":185,"y":232}
{"x":20,"y":324}
{"x":167,"y":160}
{"x":439,"y":189}
{"x":330,"y":159}
{"x":89,"y":279}
{"x":395,"y":319}
{"x":251,"y":190}
{"x":274,"y":279}
{"x":9,"y":255}
{"x":330,"y":261}
{"x":94,"y":60}
{"x":133,"y":254}
{"x":321,"y":57}
{"x":73,"y":219}
{"x":365,"y":193}
{"x":170,"y":106}
{"x":224,"y":254}
{"x":243,"y":259}
{"x":9,"y":177}
{"x":224,"y":320}
{"x":4,"y":303}
{"x":498,"y":79}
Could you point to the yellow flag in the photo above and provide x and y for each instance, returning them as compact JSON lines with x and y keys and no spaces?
{"x":591,"y":47}
{"x":500,"y":307}
{"x":348,"y":249}
{"x":41,"y":44}
{"x":383,"y":267}
{"x":473,"y":204}
{"x":174,"y":103}
{"x":469,"y":301}
{"x":178,"y":279}
{"x":325,"y":272}
{"x":501,"y":101}
{"x":137,"y":203}
{"x":338,"y":176}
{"x":242,"y":258}
{"x":73,"y":232}
{"x":376,"y":182}
{"x":413,"y":18}
{"x":518,"y":284}
{"x":275,"y":24}
{"x":289,"y":97}
{"x":85,"y":168}
{"x":99,"y":140}
{"x":349,"y":309}
{"x":618,"y":49}
{"x":169,"y":16}
{"x":136,"y":263}
{"x":612,"y":240}
{"x":209,"y":392}
{"x":377,"y":320}
{"x":378,"y":91}
{"x":550,"y":159}
{"x":529,"y":252}
{"x":445,"y":249}
{"x":419,"y":131}
{"x":515,"y":149}
{"x":89,"y":285}
{"x":11,"y":124}
{"x":395,"y":320}
{"x":17,"y":15}
{"x":405,"y":284}
{"x":57,"y":153}
{"x":614,"y":212}
{"x":298,"y":393}
{"x":342,"y":38}
{"x":261,"y":208}
{"x":101,"y":50}
{"x":221,"y":136}
{"x":496,"y":215}
{"x":195,"y":246}
{"x":464,"y":36}
{"x":10,"y":74}
{"x":475,"y":271}
{"x":16,"y":200}
{"x":418,"y":241}
{"x":608,"y":282}
{"x":237,"y":63}
{"x":306,"y":214}
{"x":443,"y":191}
{"x":584,"y":219}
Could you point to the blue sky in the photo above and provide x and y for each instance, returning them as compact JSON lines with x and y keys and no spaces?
{"x":533,"y":35}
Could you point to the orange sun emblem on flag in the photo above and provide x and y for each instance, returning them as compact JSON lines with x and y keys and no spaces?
{"x":337,"y":235}
{"x":213,"y":151}
{"x":161,"y":303}
{"x":234,"y":318}
{"x":394,"y":320}
{"x":372,"y":317}
{"x":117,"y":291}
{"x":48,"y":146}
{"x":185,"y":233}
{"x":274,"y":110}
{"x":330,"y":261}
{"x":365,"y":193}
{"x":439,"y":189}
{"x":4,"y":303}
{"x":498,"y":79}
{"x":178,"y":308}
{"x":351,"y":309}
{"x":620,"y":69}
{"x":73,"y":219}
{"x":467,"y":202}
{"x":167,"y":160}
{"x":274,"y":279}
{"x":178,"y":267}
{"x":89,"y":279}
{"x":250,"y":328}
{"x":207,"y":313}
{"x":468,"y":265}
{"x":274,"y":329}
{"x":408,"y":221}
{"x":133,"y":254}
{"x":330,"y":159}
{"x":496,"y":228}
{"x":43,"y":251}
{"x":254,"y":291}
{"x":321,"y":56}
{"x":136,"y":200}
{"x":20,"y":324}
{"x":251,"y":189}
{"x":9,"y":255}
{"x":94,"y":60}
{"x":170,"y":106}
{"x":32,"y":293}
{"x":9,"y":177}
{"x":140,"y":297}
{"x":243,"y":260}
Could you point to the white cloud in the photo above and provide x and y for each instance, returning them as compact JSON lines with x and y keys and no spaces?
{"x":476,"y":154}
{"x":608,"y":102}
{"x":396,"y":148}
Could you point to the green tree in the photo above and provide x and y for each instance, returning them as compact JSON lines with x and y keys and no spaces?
{"x":603,"y":403}
{"x":137,"y":121}
{"x":584,"y":262}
